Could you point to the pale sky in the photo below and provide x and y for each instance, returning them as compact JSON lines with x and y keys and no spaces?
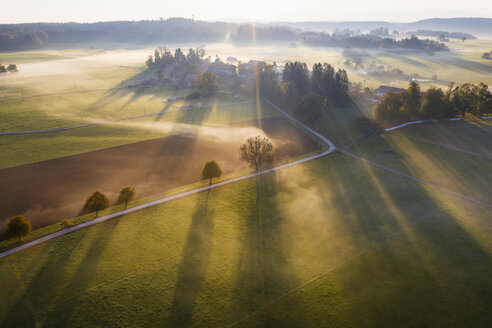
{"x":20,"y":11}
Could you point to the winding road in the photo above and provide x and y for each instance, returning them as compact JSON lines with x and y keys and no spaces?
{"x":328,"y":143}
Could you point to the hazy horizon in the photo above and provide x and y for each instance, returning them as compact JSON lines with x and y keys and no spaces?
{"x":31,"y":11}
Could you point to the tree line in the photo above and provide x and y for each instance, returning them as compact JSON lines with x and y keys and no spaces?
{"x":16,"y":37}
{"x":444,"y":34}
{"x":370,"y":41}
{"x":435,"y":103}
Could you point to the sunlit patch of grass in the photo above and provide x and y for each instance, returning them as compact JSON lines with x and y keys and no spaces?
{"x":23,"y":149}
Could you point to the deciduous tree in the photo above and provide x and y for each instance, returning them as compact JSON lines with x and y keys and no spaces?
{"x":211,"y":170}
{"x":96,"y":202}
{"x":206,"y":84}
{"x":258,"y":151}
{"x":18,"y":226}
{"x":411,"y":99}
{"x":126,"y":195}
{"x":388,"y":108}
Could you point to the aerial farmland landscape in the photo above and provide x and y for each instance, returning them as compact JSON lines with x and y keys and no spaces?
{"x":197,"y":165}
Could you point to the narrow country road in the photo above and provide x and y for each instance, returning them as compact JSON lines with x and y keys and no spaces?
{"x":331,"y":148}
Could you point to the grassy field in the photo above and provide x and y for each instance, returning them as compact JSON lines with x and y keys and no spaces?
{"x":334,"y":242}
{"x":312,"y":245}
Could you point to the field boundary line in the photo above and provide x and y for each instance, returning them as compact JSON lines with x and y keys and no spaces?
{"x":125,"y":118}
{"x":484,"y":156}
{"x":408,"y":176}
{"x":331,"y":149}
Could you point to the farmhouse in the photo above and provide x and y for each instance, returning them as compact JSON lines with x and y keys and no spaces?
{"x":384,"y":90}
{"x":220,"y":69}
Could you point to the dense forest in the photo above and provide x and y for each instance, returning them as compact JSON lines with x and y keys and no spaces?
{"x":306,"y":95}
{"x":42,"y":35}
{"x":252,"y":34}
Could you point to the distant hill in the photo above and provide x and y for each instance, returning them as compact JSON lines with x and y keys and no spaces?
{"x":476,"y":26}
{"x":15,"y":37}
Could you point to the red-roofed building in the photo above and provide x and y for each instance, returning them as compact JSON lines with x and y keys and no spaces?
{"x":384,"y":90}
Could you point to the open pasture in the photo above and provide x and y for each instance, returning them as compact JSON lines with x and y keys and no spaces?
{"x":332,"y":242}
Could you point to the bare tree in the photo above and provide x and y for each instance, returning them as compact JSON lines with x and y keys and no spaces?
{"x":258,"y":151}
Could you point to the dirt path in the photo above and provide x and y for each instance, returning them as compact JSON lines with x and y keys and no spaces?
{"x":329,"y":144}
{"x":484,"y":156}
{"x":124,"y":118}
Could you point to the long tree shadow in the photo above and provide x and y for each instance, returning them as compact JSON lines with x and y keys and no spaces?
{"x":65,"y":294}
{"x":193,"y":266}
{"x":263,"y":269}
{"x":33,"y":296}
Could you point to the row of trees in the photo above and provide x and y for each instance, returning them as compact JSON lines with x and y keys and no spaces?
{"x":257,"y":151}
{"x":11,"y":68}
{"x":371,"y":41}
{"x":435,"y":103}
{"x":442,"y":35}
{"x":19,"y":226}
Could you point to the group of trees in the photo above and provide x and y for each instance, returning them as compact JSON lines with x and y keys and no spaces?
{"x":11,"y":68}
{"x":206,"y":84}
{"x":180,"y":62}
{"x":435,"y":103}
{"x":382,"y":32}
{"x":305,"y":93}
